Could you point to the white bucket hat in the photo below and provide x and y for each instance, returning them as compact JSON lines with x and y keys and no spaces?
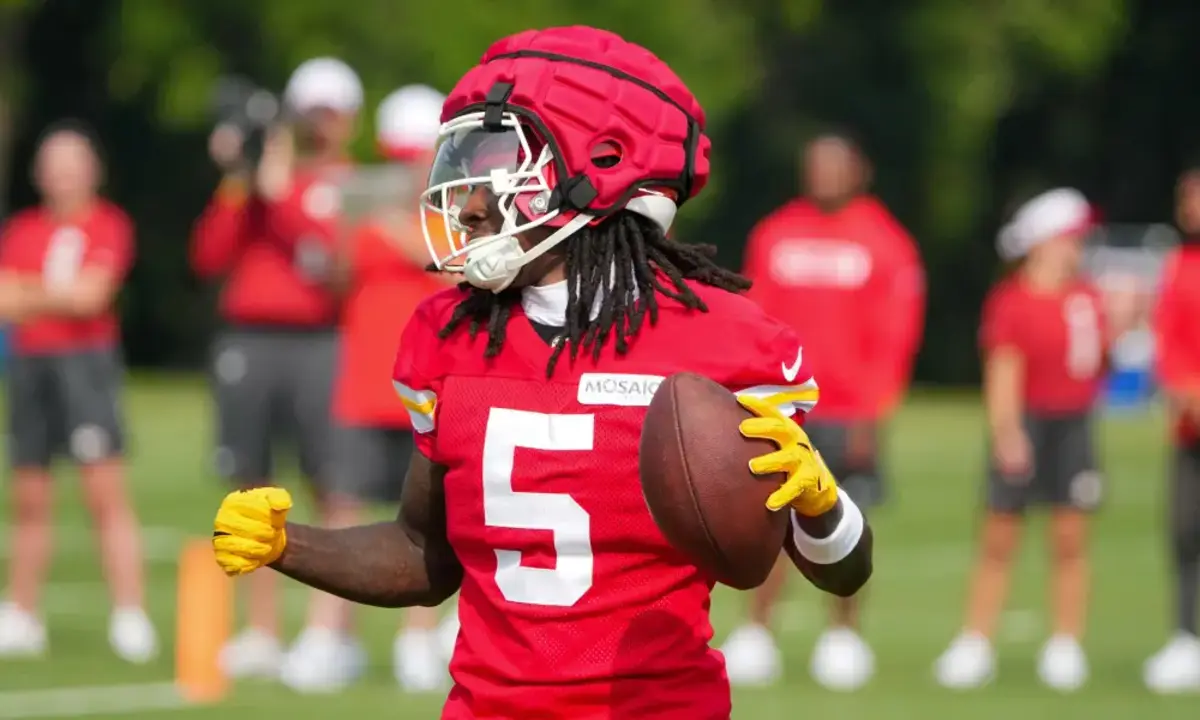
{"x":408,"y":121}
{"x":324,"y":83}
{"x":1052,"y":214}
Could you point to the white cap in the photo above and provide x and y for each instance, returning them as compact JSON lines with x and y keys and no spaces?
{"x":408,"y":121}
{"x":324,"y":83}
{"x":1052,"y":214}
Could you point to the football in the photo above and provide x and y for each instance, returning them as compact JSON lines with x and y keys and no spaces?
{"x":695,"y":475}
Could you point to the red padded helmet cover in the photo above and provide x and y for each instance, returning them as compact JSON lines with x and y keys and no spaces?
{"x":579,"y":88}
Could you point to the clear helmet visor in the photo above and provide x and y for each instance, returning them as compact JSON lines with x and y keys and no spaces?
{"x":465,"y":163}
{"x":477,"y":168}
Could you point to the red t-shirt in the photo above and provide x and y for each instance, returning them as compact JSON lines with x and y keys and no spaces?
{"x":36,"y":244}
{"x":1177,"y":329}
{"x":851,"y":283}
{"x":386,"y":285}
{"x":1061,"y":336}
{"x":573,"y":604}
{"x":277,"y":257}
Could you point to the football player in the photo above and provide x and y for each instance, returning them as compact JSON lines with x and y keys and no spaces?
{"x":1044,"y":336}
{"x":565,"y":154}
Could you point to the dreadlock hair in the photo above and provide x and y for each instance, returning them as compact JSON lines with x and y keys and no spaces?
{"x":627,"y":261}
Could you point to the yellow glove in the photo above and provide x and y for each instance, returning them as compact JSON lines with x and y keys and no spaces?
{"x":810,"y":487}
{"x":249,"y":530}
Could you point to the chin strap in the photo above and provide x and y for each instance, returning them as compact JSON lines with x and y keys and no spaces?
{"x":573,"y":226}
{"x":495,"y":266}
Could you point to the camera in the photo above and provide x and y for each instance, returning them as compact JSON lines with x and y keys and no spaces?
{"x":241,"y":103}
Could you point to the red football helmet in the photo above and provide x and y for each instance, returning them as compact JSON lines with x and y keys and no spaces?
{"x":565,"y":126}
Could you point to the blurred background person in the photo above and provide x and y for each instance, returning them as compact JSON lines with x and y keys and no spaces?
{"x":62,"y":265}
{"x":1176,"y":668}
{"x":1044,"y":337}
{"x":270,"y":234}
{"x":383,"y":272}
{"x":838,"y":267}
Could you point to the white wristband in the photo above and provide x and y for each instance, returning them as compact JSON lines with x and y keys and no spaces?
{"x":840,"y":543}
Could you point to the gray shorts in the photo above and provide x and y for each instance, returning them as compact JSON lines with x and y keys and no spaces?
{"x":369,"y":463}
{"x":1065,"y":472}
{"x":864,"y":484}
{"x":67,"y":404}
{"x":269,"y":386}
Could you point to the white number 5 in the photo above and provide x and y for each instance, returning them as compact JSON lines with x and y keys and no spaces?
{"x":503,"y":507}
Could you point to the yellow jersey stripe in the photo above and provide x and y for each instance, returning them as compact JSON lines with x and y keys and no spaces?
{"x":422,"y":408}
{"x":788,"y":398}
{"x":420,"y":404}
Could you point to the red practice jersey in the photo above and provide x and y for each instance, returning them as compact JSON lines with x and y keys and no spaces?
{"x":34,"y":243}
{"x":1060,"y":335}
{"x":860,"y":267}
{"x":573,"y":605}
{"x":1177,"y":329}
{"x":276,"y":257}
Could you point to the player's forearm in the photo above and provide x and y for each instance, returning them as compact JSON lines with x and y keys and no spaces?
{"x":14,"y":305}
{"x":1004,"y":418}
{"x":377,"y":565}
{"x":75,"y":303}
{"x":834,"y":550}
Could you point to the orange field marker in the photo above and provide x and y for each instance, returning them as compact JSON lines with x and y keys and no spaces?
{"x":205,"y":620}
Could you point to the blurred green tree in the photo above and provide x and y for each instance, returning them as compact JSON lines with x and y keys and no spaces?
{"x":180,"y":48}
{"x":977,"y":59}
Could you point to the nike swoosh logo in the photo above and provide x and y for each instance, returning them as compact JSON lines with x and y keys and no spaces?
{"x":790,"y":371}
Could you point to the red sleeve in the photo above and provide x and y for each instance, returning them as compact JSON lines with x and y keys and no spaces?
{"x":1000,"y":324}
{"x":113,"y":249}
{"x":1176,"y":369}
{"x":897,"y":320}
{"x":219,"y":234}
{"x":416,"y":378}
{"x":775,"y":368}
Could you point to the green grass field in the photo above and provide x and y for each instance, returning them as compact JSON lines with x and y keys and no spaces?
{"x":923,"y":545}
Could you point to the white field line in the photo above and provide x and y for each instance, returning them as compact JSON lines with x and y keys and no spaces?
{"x":95,"y":700}
{"x":160,"y":544}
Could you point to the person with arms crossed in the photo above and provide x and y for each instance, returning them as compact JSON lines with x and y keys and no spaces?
{"x":564,"y":156}
{"x":383,"y":272}
{"x":270,"y":233}
{"x":840,"y":250}
{"x":61,"y":267}
{"x":1043,"y":336}
{"x":1176,"y":668}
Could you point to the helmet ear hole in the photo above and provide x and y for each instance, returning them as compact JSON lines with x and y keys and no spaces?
{"x":606,"y":154}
